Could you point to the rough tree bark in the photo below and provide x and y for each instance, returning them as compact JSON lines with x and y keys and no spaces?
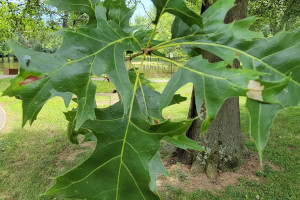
{"x":225,"y":148}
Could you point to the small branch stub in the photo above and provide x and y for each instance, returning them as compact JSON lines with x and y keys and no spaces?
{"x":148,"y":51}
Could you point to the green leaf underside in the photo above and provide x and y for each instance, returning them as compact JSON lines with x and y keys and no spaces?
{"x":181,"y":141}
{"x":117,"y":169}
{"x":118,"y":12}
{"x":157,"y":167}
{"x":259,"y":126}
{"x":276,"y":57}
{"x":264,"y":55}
{"x":126,"y":157}
{"x":82,"y":6}
{"x":177,"y":8}
{"x":213,"y":82}
{"x":83,"y":52}
{"x":86,"y":51}
{"x":149,"y":104}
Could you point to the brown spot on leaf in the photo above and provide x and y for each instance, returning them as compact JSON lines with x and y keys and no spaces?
{"x":255,"y":90}
{"x":29,"y":79}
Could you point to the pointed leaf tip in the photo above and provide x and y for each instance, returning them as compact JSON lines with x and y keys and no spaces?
{"x":262,"y":116}
{"x":179,"y":9}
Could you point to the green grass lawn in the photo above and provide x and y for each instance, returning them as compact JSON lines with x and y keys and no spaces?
{"x":31,"y":156}
{"x":104,"y":86}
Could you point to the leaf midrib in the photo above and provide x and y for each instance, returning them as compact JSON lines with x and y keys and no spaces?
{"x":87,"y":89}
{"x":71,"y":62}
{"x":201,"y":73}
{"x":233,"y":49}
{"x":164,"y":133}
{"x":127,"y":129}
{"x":90,"y":55}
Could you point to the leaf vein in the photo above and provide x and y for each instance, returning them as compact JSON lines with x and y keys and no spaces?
{"x":138,"y":187}
{"x":74,"y":182}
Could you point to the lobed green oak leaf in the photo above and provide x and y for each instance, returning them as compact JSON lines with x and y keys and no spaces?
{"x":277,"y":58}
{"x":125,"y":159}
{"x":84,"y":52}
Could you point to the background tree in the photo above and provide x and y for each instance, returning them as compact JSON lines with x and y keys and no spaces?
{"x":25,"y":23}
{"x":225,"y":148}
{"x":274,"y":16}
{"x":33,"y":22}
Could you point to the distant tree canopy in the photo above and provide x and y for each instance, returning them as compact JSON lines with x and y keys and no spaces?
{"x":23,"y":22}
{"x":274,"y":16}
{"x":32,"y":22}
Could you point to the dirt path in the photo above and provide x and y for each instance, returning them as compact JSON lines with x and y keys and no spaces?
{"x":181,"y":176}
{"x":7,"y":76}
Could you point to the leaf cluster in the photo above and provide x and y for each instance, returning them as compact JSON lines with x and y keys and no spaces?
{"x":128,"y":134}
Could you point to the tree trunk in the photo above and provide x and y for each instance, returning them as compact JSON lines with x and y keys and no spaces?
{"x":225,"y":148}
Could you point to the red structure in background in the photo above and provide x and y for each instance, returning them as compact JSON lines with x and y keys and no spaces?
{"x":10,"y":71}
